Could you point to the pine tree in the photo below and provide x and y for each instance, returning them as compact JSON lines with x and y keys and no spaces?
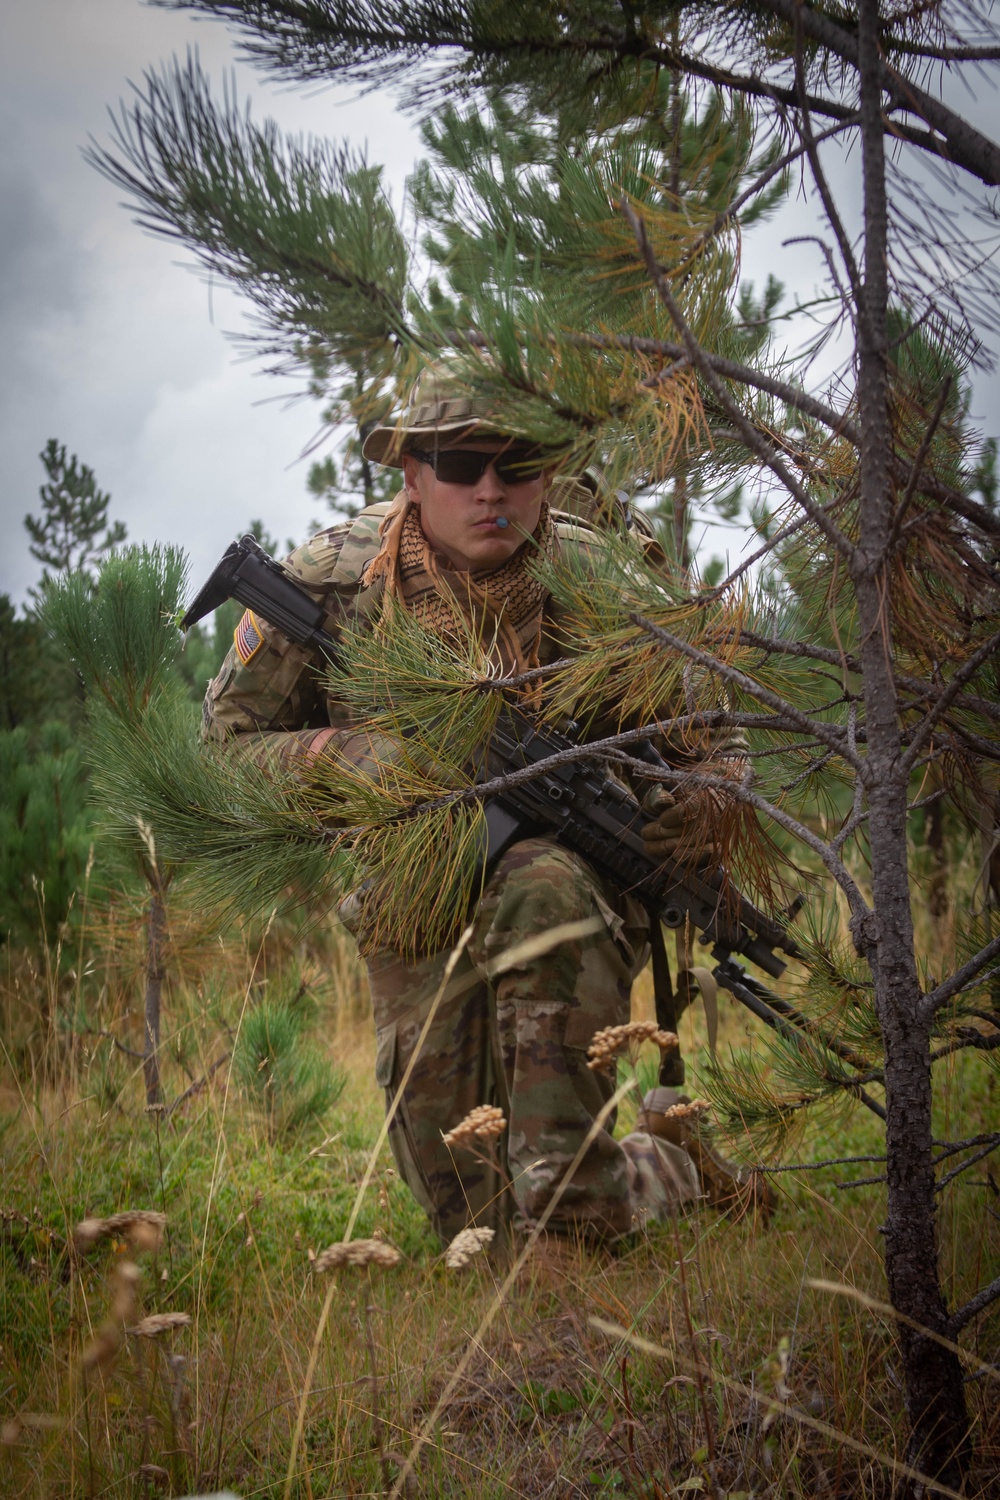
{"x":595,"y":305}
{"x":66,"y":536}
{"x":37,"y":683}
{"x":120,"y":632}
{"x":47,"y":833}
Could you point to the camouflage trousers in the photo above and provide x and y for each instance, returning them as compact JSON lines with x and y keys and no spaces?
{"x":511,"y":1027}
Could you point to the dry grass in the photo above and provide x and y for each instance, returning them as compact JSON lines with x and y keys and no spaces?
{"x":698,"y":1360}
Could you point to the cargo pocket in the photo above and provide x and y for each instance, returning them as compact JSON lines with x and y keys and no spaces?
{"x":385,"y":1054}
{"x":582,"y":1025}
{"x":619,"y":931}
{"x":401,"y":1138}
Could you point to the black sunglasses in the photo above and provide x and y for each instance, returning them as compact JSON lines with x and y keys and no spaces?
{"x":515,"y":465}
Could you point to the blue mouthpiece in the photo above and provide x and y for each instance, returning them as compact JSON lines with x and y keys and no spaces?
{"x":501,"y":522}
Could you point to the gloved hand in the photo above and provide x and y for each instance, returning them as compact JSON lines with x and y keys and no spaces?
{"x":690,"y":823}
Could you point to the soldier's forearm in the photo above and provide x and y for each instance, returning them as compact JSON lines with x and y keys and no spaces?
{"x":288,"y":749}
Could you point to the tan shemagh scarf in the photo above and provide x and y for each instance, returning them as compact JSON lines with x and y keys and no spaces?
{"x":501,"y":607}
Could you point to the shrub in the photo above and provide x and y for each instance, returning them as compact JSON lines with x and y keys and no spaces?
{"x":290,"y":1083}
{"x":46,"y":832}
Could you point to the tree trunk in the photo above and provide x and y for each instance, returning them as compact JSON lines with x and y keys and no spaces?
{"x":156,"y":935}
{"x":935,"y":1398}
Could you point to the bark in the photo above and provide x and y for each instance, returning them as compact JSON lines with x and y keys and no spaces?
{"x":935,"y":1399}
{"x":156,"y":937}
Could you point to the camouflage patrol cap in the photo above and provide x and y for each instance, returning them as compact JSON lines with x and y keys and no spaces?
{"x":440,"y":409}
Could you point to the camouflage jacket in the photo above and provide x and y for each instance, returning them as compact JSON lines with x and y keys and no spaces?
{"x":273,"y":690}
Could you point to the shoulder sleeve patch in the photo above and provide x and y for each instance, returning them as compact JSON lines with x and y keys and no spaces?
{"x":248,"y":638}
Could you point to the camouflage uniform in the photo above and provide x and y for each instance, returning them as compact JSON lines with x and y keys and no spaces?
{"x":516,"y":1036}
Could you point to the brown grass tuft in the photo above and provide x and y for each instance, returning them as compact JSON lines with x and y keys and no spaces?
{"x":467,"y":1244}
{"x":690,"y":1111}
{"x":480,"y":1124}
{"x":606,"y":1045}
{"x":142,"y":1227}
{"x":157,"y":1323}
{"x":357,"y":1253}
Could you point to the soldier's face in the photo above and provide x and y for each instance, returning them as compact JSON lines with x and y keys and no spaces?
{"x":460,"y":519}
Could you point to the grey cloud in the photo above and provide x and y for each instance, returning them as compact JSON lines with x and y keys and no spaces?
{"x":39,"y":270}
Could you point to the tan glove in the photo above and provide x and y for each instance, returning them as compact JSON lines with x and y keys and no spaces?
{"x":691,"y":823}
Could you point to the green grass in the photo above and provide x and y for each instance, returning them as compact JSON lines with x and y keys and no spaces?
{"x":718,"y":1318}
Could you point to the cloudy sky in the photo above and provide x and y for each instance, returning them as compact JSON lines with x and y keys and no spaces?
{"x":113,"y":347}
{"x":108,"y":342}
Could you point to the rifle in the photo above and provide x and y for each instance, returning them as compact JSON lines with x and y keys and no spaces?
{"x":578,"y":803}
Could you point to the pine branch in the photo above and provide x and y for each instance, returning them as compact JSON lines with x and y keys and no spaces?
{"x":814,"y":1166}
{"x":966,"y":146}
{"x":819,"y":176}
{"x":963,"y":674}
{"x":977,"y":1156}
{"x":773,"y":170}
{"x":838,"y":422}
{"x":976,"y":1305}
{"x":767,"y":454}
{"x":990,"y":1139}
{"x":919,"y":687}
{"x":968,"y":1038}
{"x":945,"y":54}
{"x":109,"y":1036}
{"x":200,"y":1083}
{"x":317,"y":39}
{"x":959,"y":981}
{"x":303,"y":228}
{"x":834,"y":738}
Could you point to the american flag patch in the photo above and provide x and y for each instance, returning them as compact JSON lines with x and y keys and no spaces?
{"x":248,"y":638}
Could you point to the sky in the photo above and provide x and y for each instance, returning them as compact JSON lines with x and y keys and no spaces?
{"x":115,"y":347}
{"x":110,"y":344}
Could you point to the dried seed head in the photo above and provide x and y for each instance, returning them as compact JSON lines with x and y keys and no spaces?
{"x":466,"y":1244}
{"x":606,"y":1045}
{"x":689,"y":1111}
{"x":142,"y":1227}
{"x":480,"y":1124}
{"x":157,"y":1323}
{"x":357,"y":1253}
{"x":87,"y":1233}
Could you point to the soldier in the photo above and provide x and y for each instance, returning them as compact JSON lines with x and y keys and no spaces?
{"x":455,"y":544}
